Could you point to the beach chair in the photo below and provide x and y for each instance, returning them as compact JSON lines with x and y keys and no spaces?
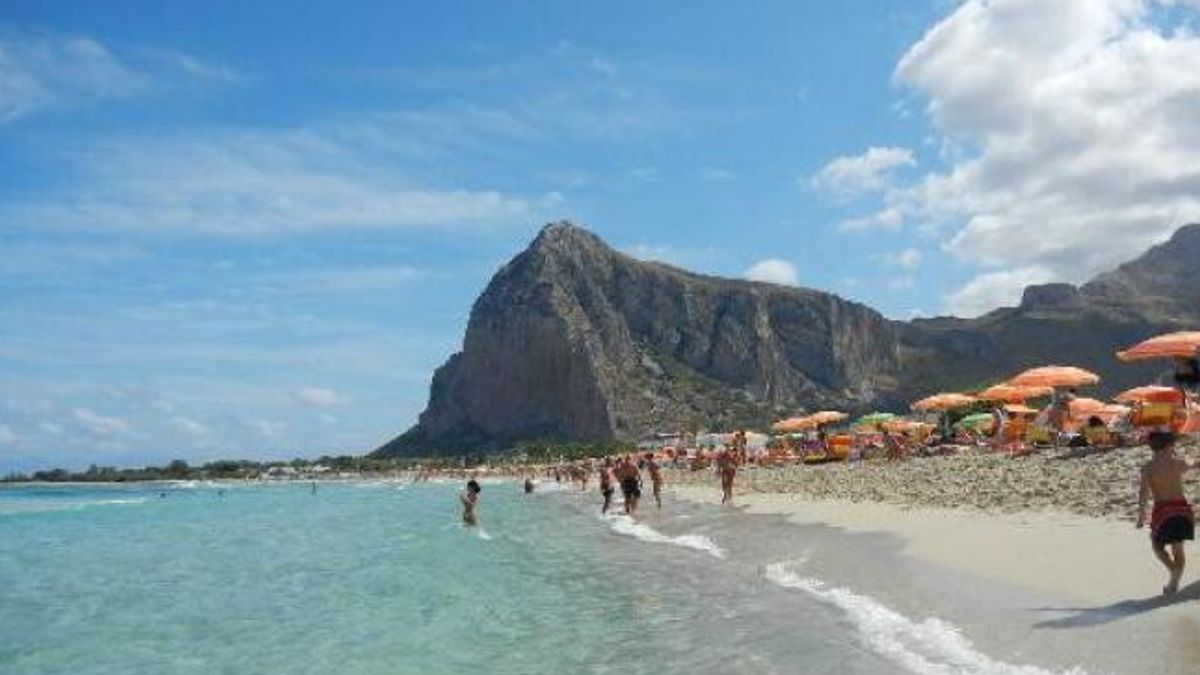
{"x":1015,"y":438}
{"x":1097,"y":437}
{"x":1154,"y":415}
{"x":839,"y":446}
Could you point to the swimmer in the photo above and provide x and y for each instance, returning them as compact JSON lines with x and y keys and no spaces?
{"x":469,"y":499}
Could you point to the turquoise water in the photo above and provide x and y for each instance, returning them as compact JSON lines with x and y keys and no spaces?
{"x":383,"y":578}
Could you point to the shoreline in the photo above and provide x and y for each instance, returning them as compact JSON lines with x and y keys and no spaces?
{"x":1058,"y":589}
{"x":1059,"y":553}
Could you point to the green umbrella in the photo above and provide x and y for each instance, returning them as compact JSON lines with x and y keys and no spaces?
{"x":975,"y":420}
{"x":874,"y":419}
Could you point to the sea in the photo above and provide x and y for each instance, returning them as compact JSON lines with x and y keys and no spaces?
{"x":383,"y":577}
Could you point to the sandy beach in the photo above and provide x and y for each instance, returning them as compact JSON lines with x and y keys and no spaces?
{"x":1058,"y":529}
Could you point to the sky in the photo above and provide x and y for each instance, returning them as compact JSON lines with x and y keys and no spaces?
{"x":254,"y":230}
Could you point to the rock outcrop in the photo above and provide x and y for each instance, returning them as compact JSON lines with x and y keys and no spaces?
{"x":573,"y":340}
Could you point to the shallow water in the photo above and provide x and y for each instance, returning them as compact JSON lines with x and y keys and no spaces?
{"x":382,"y":578}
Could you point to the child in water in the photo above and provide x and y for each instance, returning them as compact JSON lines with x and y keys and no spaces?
{"x":469,"y":499}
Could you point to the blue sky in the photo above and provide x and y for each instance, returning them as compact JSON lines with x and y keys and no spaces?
{"x":254,"y":229}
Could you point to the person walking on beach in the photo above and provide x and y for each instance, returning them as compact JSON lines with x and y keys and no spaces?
{"x":470,"y":499}
{"x":727,"y":467}
{"x":656,"y":479}
{"x":606,"y":486}
{"x":630,"y":479}
{"x":1171,"y":521}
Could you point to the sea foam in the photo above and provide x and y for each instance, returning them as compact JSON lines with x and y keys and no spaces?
{"x":929,"y":647}
{"x":622,"y":524}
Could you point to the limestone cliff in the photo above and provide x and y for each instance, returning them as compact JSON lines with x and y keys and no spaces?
{"x":572,"y":340}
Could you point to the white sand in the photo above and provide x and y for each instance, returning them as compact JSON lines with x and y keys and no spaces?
{"x":1092,"y":560}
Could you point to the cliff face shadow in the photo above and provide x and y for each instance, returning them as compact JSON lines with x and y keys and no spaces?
{"x":1093,"y":616}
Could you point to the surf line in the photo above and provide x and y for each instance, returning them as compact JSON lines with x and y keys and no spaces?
{"x":929,"y":647}
{"x":624,"y":525}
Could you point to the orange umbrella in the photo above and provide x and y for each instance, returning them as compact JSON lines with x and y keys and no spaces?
{"x":1020,"y":409}
{"x":793,"y":424}
{"x":1184,"y":344}
{"x":1150,"y":394}
{"x":1055,"y":376}
{"x":942,"y":402}
{"x":827,"y":417}
{"x":1009,"y":393}
{"x":902,"y":426}
{"x":1083,"y":407}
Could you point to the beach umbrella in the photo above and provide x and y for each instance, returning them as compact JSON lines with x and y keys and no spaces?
{"x":902,"y":425}
{"x":794,"y":424}
{"x":975,"y":421}
{"x":1055,"y":376}
{"x":1150,"y":394}
{"x":1081,"y":407}
{"x":875,"y":419}
{"x":1020,"y":409}
{"x":828,"y":416}
{"x":1184,"y":345}
{"x":943,"y":402}
{"x":1009,"y":393}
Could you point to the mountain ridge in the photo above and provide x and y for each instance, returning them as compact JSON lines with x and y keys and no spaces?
{"x":574,"y":341}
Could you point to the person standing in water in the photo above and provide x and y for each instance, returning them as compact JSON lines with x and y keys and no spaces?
{"x":630,"y":479}
{"x":727,"y":467}
{"x":1171,"y":521}
{"x":606,"y":486}
{"x":656,"y":479}
{"x":469,"y":499}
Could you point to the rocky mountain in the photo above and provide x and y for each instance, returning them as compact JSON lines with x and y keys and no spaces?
{"x":573,"y":340}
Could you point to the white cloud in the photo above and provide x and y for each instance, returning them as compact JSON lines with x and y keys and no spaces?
{"x":51,"y":428}
{"x":775,"y":271}
{"x":908,"y":259}
{"x":1068,"y":130}
{"x":41,"y":71}
{"x":994,"y":289}
{"x":99,"y":425}
{"x":321,"y":397}
{"x":246,"y":184}
{"x":873,"y":170}
{"x":189,"y":425}
{"x":716,"y":174}
{"x":269,"y":429}
{"x":646,"y":174}
{"x":7,"y":437}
